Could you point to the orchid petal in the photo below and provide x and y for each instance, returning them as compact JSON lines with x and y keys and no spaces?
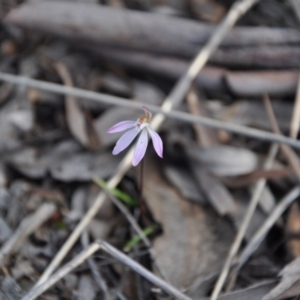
{"x":125,"y":140}
{"x":121,"y":126}
{"x":157,"y":142}
{"x":141,"y":147}
{"x":147,"y":113}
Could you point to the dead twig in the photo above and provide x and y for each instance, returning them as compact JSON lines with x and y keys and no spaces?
{"x":85,"y":254}
{"x":178,"y":115}
{"x":259,"y":187}
{"x":173,"y":99}
{"x":27,"y":227}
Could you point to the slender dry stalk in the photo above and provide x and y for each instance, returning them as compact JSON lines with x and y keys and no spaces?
{"x":175,"y":97}
{"x":259,"y":187}
{"x":85,"y":254}
{"x":295,"y":122}
{"x":113,"y":100}
{"x":178,"y":115}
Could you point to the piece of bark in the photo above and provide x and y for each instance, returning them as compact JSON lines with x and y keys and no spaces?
{"x":258,"y":57}
{"x":135,"y":30}
{"x":213,"y":80}
{"x":255,"y":83}
{"x":193,"y":242}
{"x":210,"y":79}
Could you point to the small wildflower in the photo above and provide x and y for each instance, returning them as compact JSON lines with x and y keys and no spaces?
{"x":140,"y":126}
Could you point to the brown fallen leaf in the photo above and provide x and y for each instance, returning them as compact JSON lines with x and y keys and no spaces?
{"x":79,"y":122}
{"x":205,"y":136}
{"x":193,"y":242}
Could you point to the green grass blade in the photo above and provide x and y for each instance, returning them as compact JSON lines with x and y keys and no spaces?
{"x":136,"y":239}
{"x":116,"y":192}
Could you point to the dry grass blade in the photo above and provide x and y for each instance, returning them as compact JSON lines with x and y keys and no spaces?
{"x":289,"y":153}
{"x":85,"y":254}
{"x":175,"y":97}
{"x":113,"y":100}
{"x":295,"y":122}
{"x":241,"y":233}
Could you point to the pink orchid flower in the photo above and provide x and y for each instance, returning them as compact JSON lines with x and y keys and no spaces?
{"x":141,"y":125}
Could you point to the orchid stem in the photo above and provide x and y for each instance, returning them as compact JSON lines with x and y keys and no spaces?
{"x":141,"y":182}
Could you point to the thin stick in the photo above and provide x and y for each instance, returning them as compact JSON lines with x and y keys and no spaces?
{"x":295,"y":122}
{"x":141,"y":182}
{"x":175,"y":97}
{"x":113,"y":100}
{"x":259,"y":187}
{"x":85,"y":254}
